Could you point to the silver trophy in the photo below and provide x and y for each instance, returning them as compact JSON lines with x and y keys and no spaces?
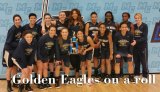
{"x":74,"y":45}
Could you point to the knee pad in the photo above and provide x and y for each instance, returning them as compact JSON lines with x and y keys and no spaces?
{"x":129,"y":59}
{"x":118,"y":60}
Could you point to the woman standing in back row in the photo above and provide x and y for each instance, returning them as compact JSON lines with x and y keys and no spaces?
{"x":91,"y":29}
{"x":12,"y":40}
{"x":61,"y":22}
{"x":75,"y":24}
{"x":112,"y":26}
{"x":140,"y":52}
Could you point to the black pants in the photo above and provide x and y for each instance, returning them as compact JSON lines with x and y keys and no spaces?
{"x":141,"y":57}
{"x":75,"y":61}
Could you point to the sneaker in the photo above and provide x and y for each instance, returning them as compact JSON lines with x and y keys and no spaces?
{"x":9,"y":88}
{"x":57,"y":84}
{"x":144,"y":79}
{"x":145,"y":75}
{"x":21,"y":88}
{"x":47,"y":86}
{"x":113,"y":74}
{"x":96,"y":73}
{"x":90,"y":82}
{"x":116,"y":77}
{"x":66,"y":79}
{"x":131,"y":78}
{"x":41,"y":86}
{"x":15,"y":85}
{"x":28,"y":88}
{"x":51,"y":75}
{"x":102,"y":77}
{"x":121,"y":75}
{"x":136,"y":77}
{"x":107,"y":78}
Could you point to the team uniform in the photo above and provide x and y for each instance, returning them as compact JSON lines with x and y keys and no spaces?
{"x":104,"y":46}
{"x":82,"y":46}
{"x":36,"y":30}
{"x":129,"y":29}
{"x":12,"y":40}
{"x":140,"y":51}
{"x":93,"y":29}
{"x":111,"y":26}
{"x":64,"y":52}
{"x":24,"y":54}
{"x":60,"y":26}
{"x":47,"y":49}
{"x":123,"y":46}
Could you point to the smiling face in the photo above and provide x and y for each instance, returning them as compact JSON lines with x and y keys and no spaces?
{"x":64,"y":33}
{"x":102,"y":28}
{"x":62,"y":16}
{"x":124,"y":28}
{"x":125,"y":17}
{"x":138,"y":18}
{"x":108,"y":17}
{"x":17,"y":21}
{"x":80,"y":35}
{"x":47,"y":19}
{"x":94,"y":18}
{"x":75,"y":15}
{"x":32,"y":19}
{"x":52,"y":31}
{"x":28,"y":37}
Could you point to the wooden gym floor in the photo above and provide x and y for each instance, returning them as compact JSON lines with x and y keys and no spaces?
{"x":98,"y":87}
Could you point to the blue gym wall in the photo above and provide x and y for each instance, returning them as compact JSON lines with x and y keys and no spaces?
{"x":150,"y":10}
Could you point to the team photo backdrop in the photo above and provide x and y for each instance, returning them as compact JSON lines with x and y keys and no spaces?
{"x":150,"y":10}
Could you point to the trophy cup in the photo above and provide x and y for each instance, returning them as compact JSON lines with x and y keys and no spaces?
{"x":74,"y":45}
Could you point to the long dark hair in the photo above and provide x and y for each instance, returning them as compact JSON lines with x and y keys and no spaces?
{"x":111,"y":15}
{"x":71,"y":20}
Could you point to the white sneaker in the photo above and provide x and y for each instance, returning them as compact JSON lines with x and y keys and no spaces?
{"x":90,"y":81}
{"x":136,"y":77}
{"x":144,"y":79}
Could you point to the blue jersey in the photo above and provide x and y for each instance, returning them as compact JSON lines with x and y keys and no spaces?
{"x":13,"y":37}
{"x":140,"y":35}
{"x":47,"y":47}
{"x":64,"y":46}
{"x":93,"y":29}
{"x":122,"y":44}
{"x":25,"y":52}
